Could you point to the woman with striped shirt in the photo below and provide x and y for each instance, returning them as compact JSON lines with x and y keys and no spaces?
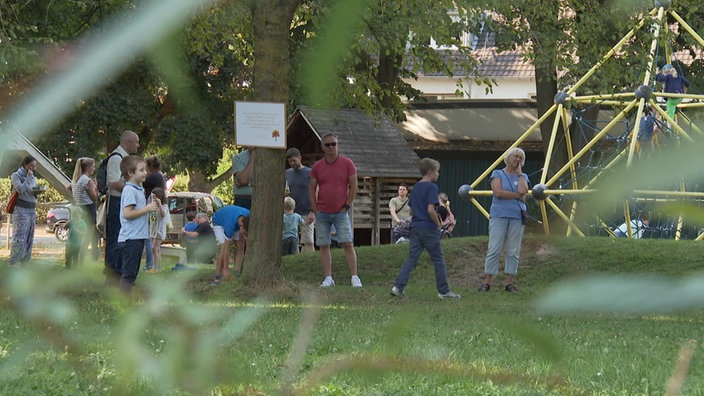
{"x":85,"y":193}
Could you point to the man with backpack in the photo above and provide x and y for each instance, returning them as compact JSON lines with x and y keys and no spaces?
{"x":129,"y":144}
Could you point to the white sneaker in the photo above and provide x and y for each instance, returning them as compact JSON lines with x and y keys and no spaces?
{"x":356,"y":282}
{"x":396,"y":292}
{"x":328,"y":282}
{"x":447,"y":295}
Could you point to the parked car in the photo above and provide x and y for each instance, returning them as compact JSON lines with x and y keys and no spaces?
{"x":181,"y":203}
{"x":57,"y":221}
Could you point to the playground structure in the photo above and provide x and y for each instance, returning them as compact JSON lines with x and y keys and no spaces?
{"x":607,"y":150}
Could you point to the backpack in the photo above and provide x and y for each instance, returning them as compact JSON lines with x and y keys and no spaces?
{"x":101,"y":175}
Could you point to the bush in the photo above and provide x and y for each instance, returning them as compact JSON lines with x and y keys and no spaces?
{"x":45,"y":200}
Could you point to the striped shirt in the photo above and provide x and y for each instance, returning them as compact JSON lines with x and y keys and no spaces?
{"x":80,"y":191}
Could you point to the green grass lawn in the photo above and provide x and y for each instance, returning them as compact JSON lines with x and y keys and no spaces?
{"x":594,"y":316}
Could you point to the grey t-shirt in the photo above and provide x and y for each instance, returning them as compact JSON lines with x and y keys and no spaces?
{"x":239,"y":162}
{"x":298,"y":181}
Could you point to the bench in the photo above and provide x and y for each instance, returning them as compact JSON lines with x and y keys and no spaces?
{"x":173,"y":255}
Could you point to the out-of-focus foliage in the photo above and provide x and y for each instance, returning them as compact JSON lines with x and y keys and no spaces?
{"x":391,"y":41}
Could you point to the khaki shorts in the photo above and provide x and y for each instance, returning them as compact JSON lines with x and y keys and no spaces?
{"x":307,"y":233}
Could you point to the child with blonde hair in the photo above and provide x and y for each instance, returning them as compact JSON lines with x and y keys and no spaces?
{"x":291,"y":223}
{"x":673,"y":83}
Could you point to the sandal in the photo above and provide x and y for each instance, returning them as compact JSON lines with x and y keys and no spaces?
{"x":485,"y":287}
{"x":511,"y":288}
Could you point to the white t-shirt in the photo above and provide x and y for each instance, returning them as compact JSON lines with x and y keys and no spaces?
{"x":637,"y":228}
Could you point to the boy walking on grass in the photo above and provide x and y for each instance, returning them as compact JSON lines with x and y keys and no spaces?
{"x":425,"y":231}
{"x":134,"y":219}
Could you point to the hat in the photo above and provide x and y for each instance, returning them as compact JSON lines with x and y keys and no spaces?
{"x":667,"y":67}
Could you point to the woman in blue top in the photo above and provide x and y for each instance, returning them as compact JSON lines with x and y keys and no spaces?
{"x":510,"y":186}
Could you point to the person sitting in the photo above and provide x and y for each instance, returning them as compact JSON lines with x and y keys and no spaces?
{"x":638,"y":227}
{"x":204,"y":245}
{"x":447,"y":220}
{"x":188,"y":242}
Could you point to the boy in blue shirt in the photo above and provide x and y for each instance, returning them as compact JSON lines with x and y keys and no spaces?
{"x":229,"y":223}
{"x":425,"y":231}
{"x":134,"y":219}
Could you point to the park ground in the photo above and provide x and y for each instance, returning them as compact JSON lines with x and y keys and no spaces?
{"x":594,"y":316}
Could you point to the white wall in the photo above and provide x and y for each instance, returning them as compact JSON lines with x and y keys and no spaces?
{"x":506,"y":88}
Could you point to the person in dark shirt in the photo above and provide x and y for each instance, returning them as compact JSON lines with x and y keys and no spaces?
{"x":204,"y":245}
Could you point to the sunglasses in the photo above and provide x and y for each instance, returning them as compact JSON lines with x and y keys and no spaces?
{"x":333,"y":144}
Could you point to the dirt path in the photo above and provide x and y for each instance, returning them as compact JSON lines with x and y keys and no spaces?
{"x":46,"y":246}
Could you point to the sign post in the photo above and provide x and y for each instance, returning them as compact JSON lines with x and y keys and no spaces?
{"x":259,"y":124}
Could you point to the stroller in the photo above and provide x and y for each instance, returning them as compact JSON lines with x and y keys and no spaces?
{"x":402,"y":230}
{"x":447,"y":219}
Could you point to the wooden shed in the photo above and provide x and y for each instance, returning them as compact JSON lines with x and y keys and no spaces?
{"x":467,"y":136}
{"x":381,"y":154}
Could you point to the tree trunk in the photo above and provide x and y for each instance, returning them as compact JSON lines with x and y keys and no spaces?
{"x":197,"y":181}
{"x":271,"y":20}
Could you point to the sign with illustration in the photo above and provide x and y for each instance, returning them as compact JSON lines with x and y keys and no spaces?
{"x":260,"y":124}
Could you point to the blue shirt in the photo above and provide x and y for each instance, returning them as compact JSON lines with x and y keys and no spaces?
{"x":227,"y":217}
{"x":672,"y":84}
{"x":506,"y":207}
{"x":291,"y":222}
{"x":137,"y":228}
{"x":190,"y":227}
{"x":424,"y":193}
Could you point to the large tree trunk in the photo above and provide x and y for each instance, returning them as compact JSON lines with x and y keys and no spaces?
{"x":271,"y":20}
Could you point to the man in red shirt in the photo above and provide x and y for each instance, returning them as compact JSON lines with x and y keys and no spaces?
{"x":332,"y":188}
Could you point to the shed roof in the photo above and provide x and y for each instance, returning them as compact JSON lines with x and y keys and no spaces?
{"x":469,"y":125}
{"x":373,"y":142}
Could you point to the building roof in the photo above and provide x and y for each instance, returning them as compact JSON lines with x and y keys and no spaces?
{"x":491,"y":63}
{"x":504,"y":64}
{"x":470,"y":125}
{"x":374,"y":143}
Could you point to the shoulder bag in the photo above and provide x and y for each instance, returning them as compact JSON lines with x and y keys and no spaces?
{"x":11,"y":202}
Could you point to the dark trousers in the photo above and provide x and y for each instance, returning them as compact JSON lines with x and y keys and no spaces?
{"x":289,"y":246}
{"x":131,"y":255}
{"x":113,"y":266}
{"x":424,"y":239}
